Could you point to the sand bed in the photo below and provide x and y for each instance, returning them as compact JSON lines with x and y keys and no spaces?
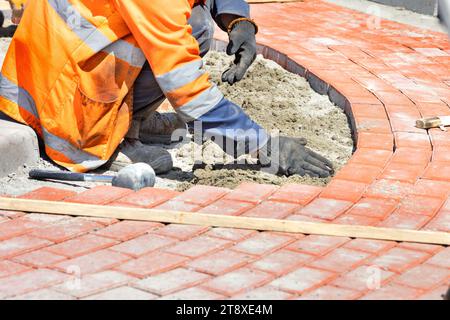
{"x":277,"y":100}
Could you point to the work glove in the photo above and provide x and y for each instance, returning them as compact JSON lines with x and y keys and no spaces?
{"x":290,"y":156}
{"x":243,"y":45}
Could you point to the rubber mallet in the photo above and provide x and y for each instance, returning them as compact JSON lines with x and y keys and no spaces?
{"x":135,"y":176}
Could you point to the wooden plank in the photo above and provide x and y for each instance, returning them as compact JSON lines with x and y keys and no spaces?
{"x":164,"y":216}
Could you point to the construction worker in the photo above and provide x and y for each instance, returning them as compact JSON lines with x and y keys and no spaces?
{"x":87,"y":75}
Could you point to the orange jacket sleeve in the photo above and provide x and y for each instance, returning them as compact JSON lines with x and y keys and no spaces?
{"x":162,"y":31}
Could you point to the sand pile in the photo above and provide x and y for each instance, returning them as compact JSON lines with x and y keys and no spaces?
{"x":277,"y":100}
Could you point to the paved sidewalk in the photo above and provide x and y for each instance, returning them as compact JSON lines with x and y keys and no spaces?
{"x":385,"y":77}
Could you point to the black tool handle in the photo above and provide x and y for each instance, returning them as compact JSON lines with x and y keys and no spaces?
{"x":55,"y":175}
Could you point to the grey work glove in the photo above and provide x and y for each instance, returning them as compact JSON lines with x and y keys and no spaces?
{"x":243,"y":45}
{"x":291,"y":156}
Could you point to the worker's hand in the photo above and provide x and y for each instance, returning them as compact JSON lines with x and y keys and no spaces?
{"x":290,"y":156}
{"x":243,"y":45}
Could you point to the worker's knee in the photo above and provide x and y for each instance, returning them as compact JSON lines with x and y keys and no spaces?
{"x":202,"y":28}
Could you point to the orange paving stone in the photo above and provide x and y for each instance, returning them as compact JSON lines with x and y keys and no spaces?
{"x":399,"y":177}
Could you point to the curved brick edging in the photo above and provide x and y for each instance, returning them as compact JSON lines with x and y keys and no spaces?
{"x":384,"y":81}
{"x":398,"y":177}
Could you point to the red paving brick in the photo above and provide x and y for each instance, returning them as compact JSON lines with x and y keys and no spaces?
{"x":126,"y":230}
{"x":92,"y":262}
{"x":317,"y":245}
{"x":81,"y":245}
{"x":373,"y":157}
{"x":441,"y":259}
{"x":420,"y":205}
{"x":201,"y":195}
{"x":49,"y":194}
{"x":194,"y":293}
{"x":350,"y":219}
{"x":11,"y":214}
{"x":17,"y":227}
{"x":9,"y":268}
{"x":416,"y":278}
{"x":295,"y":193}
{"x":237,"y":281}
{"x":324,"y":208}
{"x":43,"y":294}
{"x":330,"y":293}
{"x":19,"y":245}
{"x":174,"y":205}
{"x":364,"y":279}
{"x":144,"y":244}
{"x":263,"y":243}
{"x":227,"y":207}
{"x":30,"y":281}
{"x":435,"y":294}
{"x":147,"y":197}
{"x":272,"y":210}
{"x":99,"y":195}
{"x":344,"y":190}
{"x":263,"y":293}
{"x":152,"y":263}
{"x":340,"y":260}
{"x":405,"y":221}
{"x":371,"y":246}
{"x":389,"y":189}
{"x":39,"y":259}
{"x":281,"y":262}
{"x":66,"y":229}
{"x":220,"y":262}
{"x":398,"y":177}
{"x":374,"y":208}
{"x":392,"y":292}
{"x":303,"y":279}
{"x":198,"y":246}
{"x":181,"y":232}
{"x":251,"y":192}
{"x":171,"y":281}
{"x":94,"y":283}
{"x":361,"y":173}
{"x":122,"y":293}
{"x":399,"y":259}
{"x":441,"y":222}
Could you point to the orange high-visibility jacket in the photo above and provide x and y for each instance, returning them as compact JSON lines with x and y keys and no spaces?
{"x":72,"y":63}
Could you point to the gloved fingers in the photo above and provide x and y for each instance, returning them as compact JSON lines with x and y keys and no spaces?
{"x":311,"y":174}
{"x":316,"y":170}
{"x":302,"y":141}
{"x":238,"y":70}
{"x":296,"y":170}
{"x":235,"y":44}
{"x":322,"y":159}
{"x":229,"y":75}
{"x":246,"y":59}
{"x":317,"y":163}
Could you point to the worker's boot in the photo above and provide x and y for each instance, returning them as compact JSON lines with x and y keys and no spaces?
{"x":164,"y":128}
{"x":133,"y":151}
